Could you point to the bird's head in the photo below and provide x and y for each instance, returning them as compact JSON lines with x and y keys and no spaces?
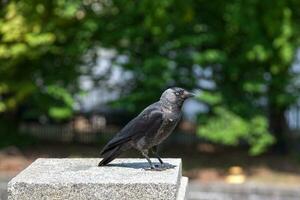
{"x":175,"y":96}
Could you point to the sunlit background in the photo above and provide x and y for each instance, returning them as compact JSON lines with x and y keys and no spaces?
{"x":73,"y":72}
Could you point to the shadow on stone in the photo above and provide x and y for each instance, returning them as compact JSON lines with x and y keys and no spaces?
{"x":133,"y":165}
{"x":140,"y":165}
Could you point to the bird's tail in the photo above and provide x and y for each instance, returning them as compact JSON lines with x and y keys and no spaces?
{"x":108,"y":156}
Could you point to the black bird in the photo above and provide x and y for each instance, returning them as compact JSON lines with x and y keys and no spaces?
{"x":146,"y":131}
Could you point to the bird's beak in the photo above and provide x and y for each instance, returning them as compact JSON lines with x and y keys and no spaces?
{"x":188,"y":94}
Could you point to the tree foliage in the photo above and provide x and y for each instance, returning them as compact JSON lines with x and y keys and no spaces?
{"x":239,"y":54}
{"x":41,"y":48}
{"x":245,"y":49}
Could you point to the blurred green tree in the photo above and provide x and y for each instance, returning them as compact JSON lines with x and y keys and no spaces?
{"x":258,"y":41}
{"x":42,"y":44}
{"x":244,"y":49}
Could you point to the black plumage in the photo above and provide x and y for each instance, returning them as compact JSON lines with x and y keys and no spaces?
{"x":146,"y":131}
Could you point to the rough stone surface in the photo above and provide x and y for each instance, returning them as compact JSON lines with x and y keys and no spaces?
{"x":181,"y":193}
{"x":63,"y":179}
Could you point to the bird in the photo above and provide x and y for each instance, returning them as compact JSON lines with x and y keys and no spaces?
{"x":149,"y":129}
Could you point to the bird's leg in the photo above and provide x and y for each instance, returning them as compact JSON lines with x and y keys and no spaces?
{"x":163,"y":165}
{"x":145,"y":154}
{"x":155,"y":152}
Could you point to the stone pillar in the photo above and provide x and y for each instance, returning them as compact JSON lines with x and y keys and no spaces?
{"x":80,"y":179}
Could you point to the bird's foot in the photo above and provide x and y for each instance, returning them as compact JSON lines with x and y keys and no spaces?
{"x":155,"y":169}
{"x":160,"y":167}
{"x":157,"y":166}
{"x":165,"y":166}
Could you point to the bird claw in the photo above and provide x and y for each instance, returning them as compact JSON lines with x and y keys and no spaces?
{"x":155,"y":169}
{"x":165,"y":166}
{"x":160,"y":167}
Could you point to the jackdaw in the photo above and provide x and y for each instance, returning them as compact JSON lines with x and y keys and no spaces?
{"x":152,"y":126}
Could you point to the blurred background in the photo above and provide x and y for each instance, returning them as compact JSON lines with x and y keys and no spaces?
{"x":73,"y":72}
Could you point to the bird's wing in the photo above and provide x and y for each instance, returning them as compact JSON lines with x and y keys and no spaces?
{"x":147,"y":122}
